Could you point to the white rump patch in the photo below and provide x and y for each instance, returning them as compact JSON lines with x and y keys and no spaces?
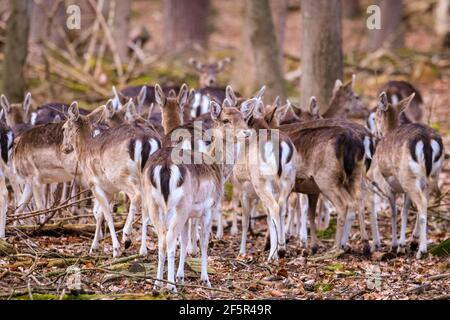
{"x":371,"y":122}
{"x":205,"y":105}
{"x":395,"y":100}
{"x":438,"y":164}
{"x":175,"y":192}
{"x":154,"y":146}
{"x":33,"y":118}
{"x":367,"y":143}
{"x":196,"y":104}
{"x":268,"y":164}
{"x":418,"y":167}
{"x":137,"y":150}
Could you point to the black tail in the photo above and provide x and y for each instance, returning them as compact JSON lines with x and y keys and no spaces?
{"x":351,"y":150}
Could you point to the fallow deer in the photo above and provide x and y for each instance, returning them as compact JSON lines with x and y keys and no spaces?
{"x":110,"y":163}
{"x":176,"y":191}
{"x":409,"y":157}
{"x":51,"y":112}
{"x":17,"y":114}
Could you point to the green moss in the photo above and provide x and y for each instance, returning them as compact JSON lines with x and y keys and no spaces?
{"x":328,"y":233}
{"x":442,"y":249}
{"x":323,"y":287}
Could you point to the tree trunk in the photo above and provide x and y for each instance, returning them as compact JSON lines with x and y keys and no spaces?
{"x":185,"y":25}
{"x":265,"y":52}
{"x":279,"y":16}
{"x":16,"y":50}
{"x":391,"y":33}
{"x":442,"y":24}
{"x":47,"y":17}
{"x":122,"y":27}
{"x":351,"y":8}
{"x":322,"y":49}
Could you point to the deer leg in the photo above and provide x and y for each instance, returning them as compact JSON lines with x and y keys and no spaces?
{"x":103,"y":200}
{"x":393,"y":205}
{"x":192,"y":247}
{"x":303,"y":221}
{"x":204,"y":241}
{"x":177,"y":222}
{"x":161,"y":260}
{"x":420,"y":199}
{"x":312,"y":204}
{"x":219,"y":217}
{"x":3,"y":205}
{"x":235,"y":208}
{"x":376,"y":244}
{"x":404,"y":221}
{"x":184,"y":237}
{"x":39,"y":198}
{"x":245,"y":222}
{"x":98,"y":214}
{"x":135,"y":199}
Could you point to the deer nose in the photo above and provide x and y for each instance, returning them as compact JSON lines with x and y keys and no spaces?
{"x":211,"y":82}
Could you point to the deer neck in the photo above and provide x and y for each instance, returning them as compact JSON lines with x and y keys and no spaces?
{"x":171,"y":117}
{"x":83,"y":139}
{"x":226,"y":154}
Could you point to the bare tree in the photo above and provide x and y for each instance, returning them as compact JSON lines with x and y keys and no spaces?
{"x":322,"y":49}
{"x":279,"y":16}
{"x":351,"y":8}
{"x":16,"y":50}
{"x":185,"y":24}
{"x":391,"y":34}
{"x":262,"y":38}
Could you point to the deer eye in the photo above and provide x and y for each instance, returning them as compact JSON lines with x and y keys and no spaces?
{"x":226,"y":121}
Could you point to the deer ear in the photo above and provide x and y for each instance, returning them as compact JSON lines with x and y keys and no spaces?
{"x":142,"y":96}
{"x":247,"y":107}
{"x":160,"y":96}
{"x":314,"y":107}
{"x":116,"y":100}
{"x":383,"y":103}
{"x":26,"y":103}
{"x":130,"y":114}
{"x":73,"y":112}
{"x":5,"y":103}
{"x":216,"y":110}
{"x":197,"y":65}
{"x":183,"y":95}
{"x":260,"y":93}
{"x":230,"y":95}
{"x":337,"y":86}
{"x":405,"y":103}
{"x":280,"y":112}
{"x":222,"y":64}
{"x":226,"y":104}
{"x":110,"y":109}
{"x":191,"y":97}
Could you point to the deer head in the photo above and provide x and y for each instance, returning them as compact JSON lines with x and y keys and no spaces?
{"x":71,"y":128}
{"x":16,"y":113}
{"x":387,"y":115}
{"x":345,"y":103}
{"x":209,"y":72}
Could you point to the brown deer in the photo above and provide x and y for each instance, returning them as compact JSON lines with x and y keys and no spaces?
{"x":209,"y":72}
{"x":6,"y":143}
{"x":110,"y":163}
{"x":17,"y":114}
{"x":409,"y":157}
{"x":176,"y":191}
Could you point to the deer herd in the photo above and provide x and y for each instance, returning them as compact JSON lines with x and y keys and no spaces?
{"x":171,"y":151}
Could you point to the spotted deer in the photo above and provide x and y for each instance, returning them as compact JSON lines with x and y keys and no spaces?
{"x":409,"y":158}
{"x":110,"y":163}
{"x":395,"y":92}
{"x":271,"y":165}
{"x":177,"y":191}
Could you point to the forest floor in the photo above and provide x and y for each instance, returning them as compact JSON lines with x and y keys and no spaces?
{"x":45,"y":267}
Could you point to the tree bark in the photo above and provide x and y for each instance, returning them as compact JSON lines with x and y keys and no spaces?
{"x":442,"y":24}
{"x":122,"y":27}
{"x":391,"y":34}
{"x":322,"y":49}
{"x":265,"y":51}
{"x":279,"y":15}
{"x":47,"y":19}
{"x":351,"y":8}
{"x":185,"y":25}
{"x":16,"y":50}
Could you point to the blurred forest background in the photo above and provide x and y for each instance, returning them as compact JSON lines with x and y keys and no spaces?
{"x":298,"y":48}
